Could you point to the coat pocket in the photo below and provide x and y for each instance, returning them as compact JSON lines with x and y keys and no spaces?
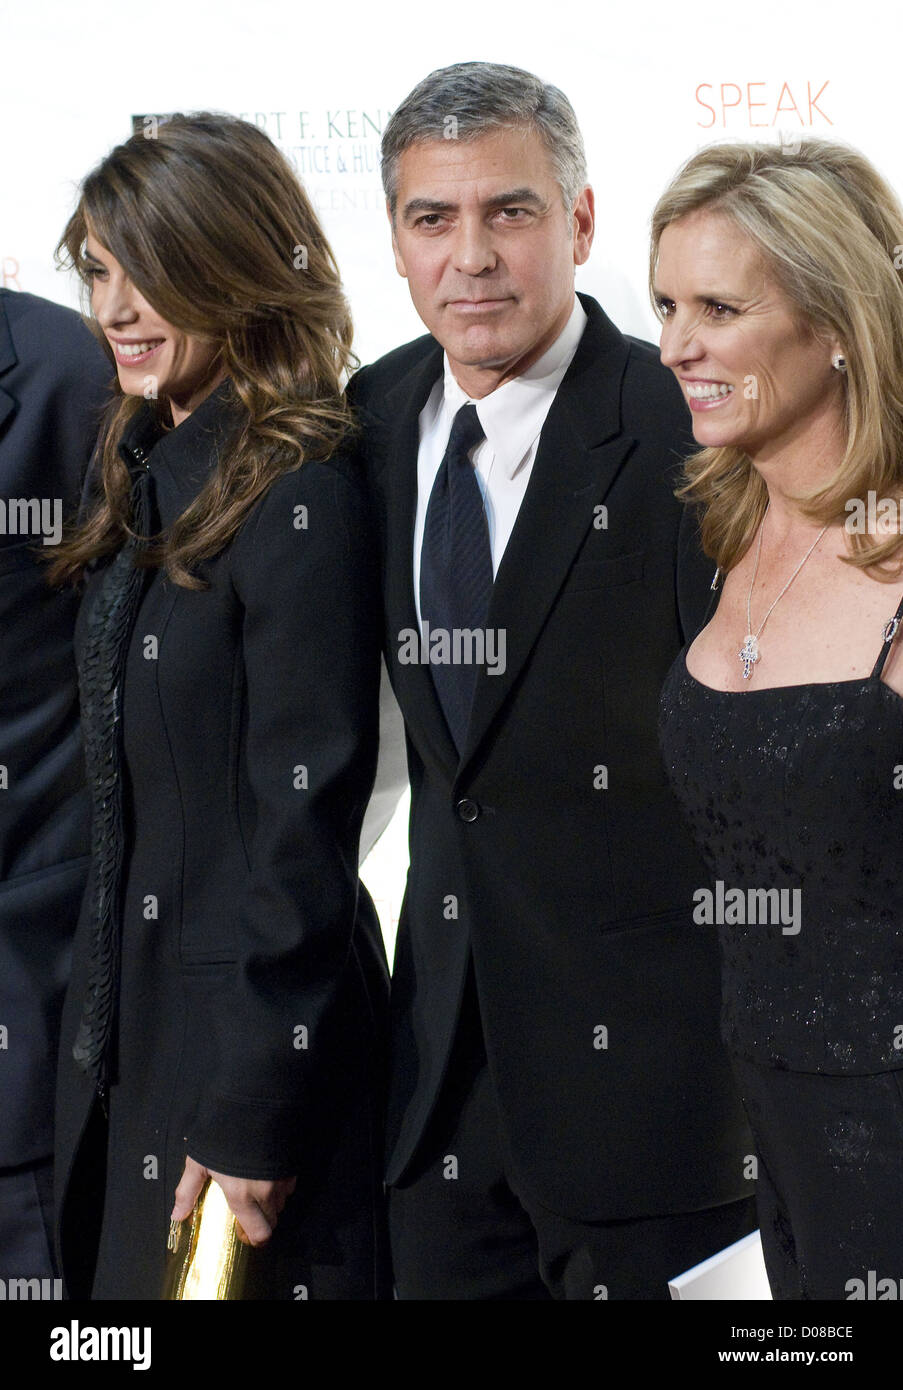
{"x":605,"y":574}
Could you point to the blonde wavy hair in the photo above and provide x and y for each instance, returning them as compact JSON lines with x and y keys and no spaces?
{"x":213,"y":228}
{"x":830,"y":231}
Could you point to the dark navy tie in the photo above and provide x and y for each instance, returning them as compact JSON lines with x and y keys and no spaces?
{"x":456,"y":567}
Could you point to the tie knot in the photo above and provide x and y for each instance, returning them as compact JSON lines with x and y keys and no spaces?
{"x":466,"y":431}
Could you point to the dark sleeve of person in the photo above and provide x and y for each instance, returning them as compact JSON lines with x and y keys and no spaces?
{"x":54,"y":381}
{"x":89,"y":380}
{"x":60,"y":384}
{"x":305,"y":575}
{"x":695,"y":571}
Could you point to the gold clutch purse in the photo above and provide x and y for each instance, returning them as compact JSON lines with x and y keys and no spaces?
{"x":205,"y":1259}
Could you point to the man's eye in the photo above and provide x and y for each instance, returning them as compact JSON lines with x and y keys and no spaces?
{"x":429,"y":219}
{"x":511,"y":214}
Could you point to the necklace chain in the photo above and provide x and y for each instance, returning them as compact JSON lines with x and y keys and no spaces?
{"x":749,"y":653}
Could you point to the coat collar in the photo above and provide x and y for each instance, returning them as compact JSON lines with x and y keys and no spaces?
{"x":8,"y":358}
{"x":581,"y":450}
{"x":180,"y":460}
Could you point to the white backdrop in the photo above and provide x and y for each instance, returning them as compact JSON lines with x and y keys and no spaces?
{"x":650,"y":82}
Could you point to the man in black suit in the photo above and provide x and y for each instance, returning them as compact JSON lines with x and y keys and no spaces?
{"x":54,"y":381}
{"x":563,"y":1121}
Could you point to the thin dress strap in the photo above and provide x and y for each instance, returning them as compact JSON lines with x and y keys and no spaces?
{"x":890,"y":632}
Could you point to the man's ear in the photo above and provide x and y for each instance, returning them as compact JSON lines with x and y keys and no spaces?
{"x":584,"y":225}
{"x":399,"y":263}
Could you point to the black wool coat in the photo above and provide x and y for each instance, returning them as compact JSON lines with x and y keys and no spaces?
{"x":252,"y":985}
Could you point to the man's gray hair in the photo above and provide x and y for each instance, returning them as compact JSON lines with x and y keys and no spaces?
{"x":467,"y":100}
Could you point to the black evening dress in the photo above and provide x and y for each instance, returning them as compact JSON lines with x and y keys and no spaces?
{"x":795,"y":797}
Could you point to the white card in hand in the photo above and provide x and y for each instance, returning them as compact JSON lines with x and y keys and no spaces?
{"x":737,"y":1272}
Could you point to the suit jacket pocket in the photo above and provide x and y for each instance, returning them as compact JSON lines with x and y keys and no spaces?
{"x":605,"y":574}
{"x":213,"y":963}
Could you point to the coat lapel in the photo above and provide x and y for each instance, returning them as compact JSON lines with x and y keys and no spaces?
{"x":394,"y":441}
{"x":581,"y":450}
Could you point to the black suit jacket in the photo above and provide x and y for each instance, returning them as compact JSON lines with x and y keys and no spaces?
{"x":54,"y":381}
{"x":554,"y":836}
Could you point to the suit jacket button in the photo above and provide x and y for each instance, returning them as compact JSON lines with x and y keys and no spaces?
{"x":467,"y":810}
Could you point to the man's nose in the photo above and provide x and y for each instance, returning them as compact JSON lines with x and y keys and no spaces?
{"x":473,"y":251}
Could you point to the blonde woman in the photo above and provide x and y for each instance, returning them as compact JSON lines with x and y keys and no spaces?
{"x":226,"y":1012}
{"x":776,"y":275}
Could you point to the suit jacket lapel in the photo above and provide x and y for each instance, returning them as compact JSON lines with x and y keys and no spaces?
{"x":581,"y":450}
{"x":394,"y":439}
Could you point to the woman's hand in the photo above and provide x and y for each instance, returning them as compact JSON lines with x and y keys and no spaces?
{"x":255,"y":1204}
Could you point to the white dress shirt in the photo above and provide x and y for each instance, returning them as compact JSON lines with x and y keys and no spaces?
{"x":512,"y":417}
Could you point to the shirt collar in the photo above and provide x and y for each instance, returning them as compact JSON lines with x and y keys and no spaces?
{"x":513,"y":415}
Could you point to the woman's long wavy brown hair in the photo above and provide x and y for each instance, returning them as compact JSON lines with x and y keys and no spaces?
{"x":210,"y":223}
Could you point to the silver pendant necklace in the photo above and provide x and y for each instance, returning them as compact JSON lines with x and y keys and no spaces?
{"x":749,"y":653}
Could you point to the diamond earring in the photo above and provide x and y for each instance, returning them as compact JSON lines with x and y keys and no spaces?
{"x":839,"y":362}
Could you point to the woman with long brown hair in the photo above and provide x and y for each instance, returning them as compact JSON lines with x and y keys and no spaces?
{"x":224,"y":1022}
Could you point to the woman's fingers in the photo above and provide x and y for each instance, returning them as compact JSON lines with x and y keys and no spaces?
{"x":191,"y":1184}
{"x":253,"y":1225}
{"x":256,"y":1205}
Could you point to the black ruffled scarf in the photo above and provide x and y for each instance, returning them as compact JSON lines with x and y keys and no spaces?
{"x":108,"y":629}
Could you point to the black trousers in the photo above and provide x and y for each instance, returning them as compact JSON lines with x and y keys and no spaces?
{"x":460,"y":1229}
{"x":830,"y":1180}
{"x":26,"y":1221}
